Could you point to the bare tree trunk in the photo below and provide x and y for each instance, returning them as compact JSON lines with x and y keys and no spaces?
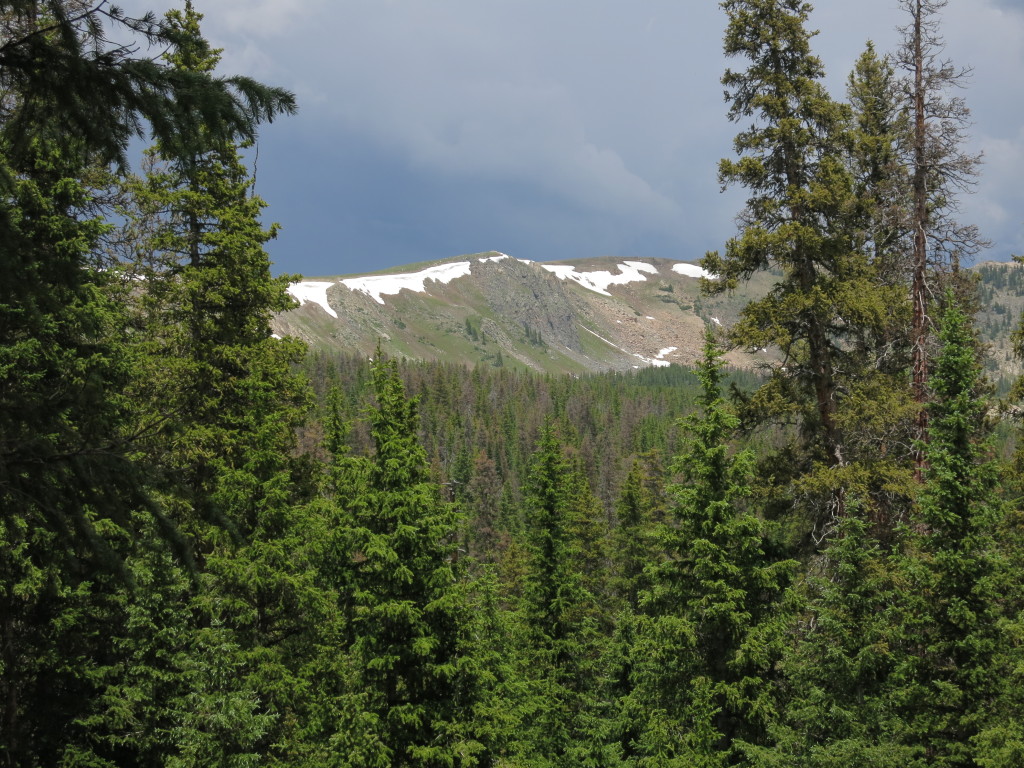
{"x":918,"y":288}
{"x":939,"y":168}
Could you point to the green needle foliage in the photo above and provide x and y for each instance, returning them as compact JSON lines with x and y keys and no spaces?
{"x":67,"y":486}
{"x":561,"y":609}
{"x":80,"y":62}
{"x":894,"y":663}
{"x":224,"y":402}
{"x":803,"y":219}
{"x":408,"y":612}
{"x":706,"y":645}
{"x":834,"y":690}
{"x":194,"y":573}
{"x":641,"y":503}
{"x":878,"y":412}
{"x":951,"y":604}
{"x":93,"y":461}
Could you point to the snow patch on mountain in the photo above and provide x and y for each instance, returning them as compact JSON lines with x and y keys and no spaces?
{"x":378,"y":286}
{"x":598,"y":282}
{"x":655,"y":361}
{"x":691,"y":270}
{"x":314,"y":291}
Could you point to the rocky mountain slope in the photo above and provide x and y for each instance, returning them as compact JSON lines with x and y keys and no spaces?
{"x":562,"y":317}
{"x":567,"y":317}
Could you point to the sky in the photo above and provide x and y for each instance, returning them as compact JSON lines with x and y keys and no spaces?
{"x":551,"y":129}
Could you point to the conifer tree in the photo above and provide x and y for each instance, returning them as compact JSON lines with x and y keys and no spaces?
{"x":949,"y":609}
{"x":879,"y":413}
{"x":485,"y":538}
{"x":67,"y":485}
{"x":68,"y":476}
{"x":939,"y":169}
{"x":639,"y":507}
{"x":169,"y":689}
{"x":895,"y":661}
{"x":880,"y":134}
{"x":407,"y":615}
{"x":1001,"y":743}
{"x":834,"y":693}
{"x":561,"y":612}
{"x":705,"y":647}
{"x":69,"y":83}
{"x":217,"y":404}
{"x":798,"y":220}
{"x":208,"y":294}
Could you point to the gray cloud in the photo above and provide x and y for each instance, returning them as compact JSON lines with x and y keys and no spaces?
{"x":582,"y":127}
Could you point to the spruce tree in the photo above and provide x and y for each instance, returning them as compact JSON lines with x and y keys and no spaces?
{"x":640,"y":506}
{"x":169,"y":689}
{"x":68,"y":83}
{"x":217,"y":399}
{"x":834,"y":692}
{"x":894,"y":663}
{"x":67,"y":485}
{"x":216,"y":404}
{"x":880,"y":133}
{"x":414,"y":682}
{"x":562,"y":616}
{"x":705,"y":645}
{"x":878,"y":409}
{"x":949,"y":608}
{"x":69,"y":479}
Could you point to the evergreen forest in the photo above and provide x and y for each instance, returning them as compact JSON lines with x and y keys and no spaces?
{"x":218,"y":548}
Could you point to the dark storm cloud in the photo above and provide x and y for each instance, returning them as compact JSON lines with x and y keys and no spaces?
{"x":582,"y":127}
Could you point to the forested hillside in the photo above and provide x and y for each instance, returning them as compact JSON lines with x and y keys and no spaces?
{"x":220,"y":548}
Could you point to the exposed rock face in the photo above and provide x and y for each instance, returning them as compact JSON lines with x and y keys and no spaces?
{"x":567,"y":317}
{"x":528,"y":297}
{"x":572,"y":317}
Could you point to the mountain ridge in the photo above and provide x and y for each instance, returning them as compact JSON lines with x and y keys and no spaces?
{"x":567,"y":316}
{"x":564,"y":316}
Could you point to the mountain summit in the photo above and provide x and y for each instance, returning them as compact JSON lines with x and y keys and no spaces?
{"x":560,"y":317}
{"x":603,"y":314}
